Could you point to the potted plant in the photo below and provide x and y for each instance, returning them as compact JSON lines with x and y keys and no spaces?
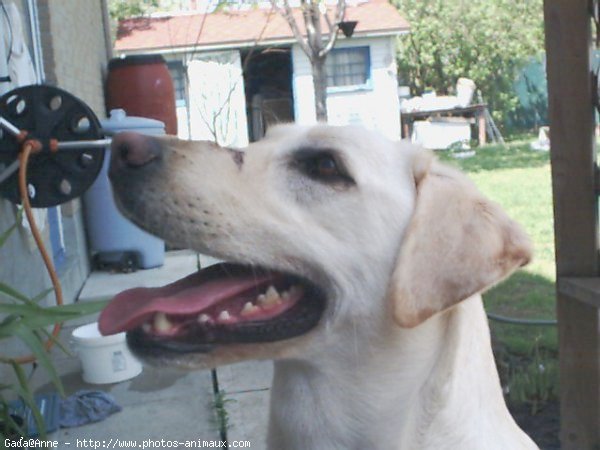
{"x":23,"y":318}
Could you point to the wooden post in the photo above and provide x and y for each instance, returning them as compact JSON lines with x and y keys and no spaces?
{"x":481,"y":128}
{"x":568,"y":40}
{"x":406,"y":127}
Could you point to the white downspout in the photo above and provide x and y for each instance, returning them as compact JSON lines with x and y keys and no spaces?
{"x":38,"y":56}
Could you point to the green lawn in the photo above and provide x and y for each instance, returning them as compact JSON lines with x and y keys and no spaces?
{"x":519,"y":179}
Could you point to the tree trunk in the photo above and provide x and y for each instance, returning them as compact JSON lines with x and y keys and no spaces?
{"x":319,"y":73}
{"x":313,"y":45}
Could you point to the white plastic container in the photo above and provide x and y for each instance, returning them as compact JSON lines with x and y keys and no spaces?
{"x":109,"y":232}
{"x":433,"y":134}
{"x":105,"y":359}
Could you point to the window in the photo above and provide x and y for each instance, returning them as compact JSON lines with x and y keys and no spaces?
{"x":176,"y":70}
{"x":348,"y":67}
{"x":57,"y":238}
{"x":20,"y":52}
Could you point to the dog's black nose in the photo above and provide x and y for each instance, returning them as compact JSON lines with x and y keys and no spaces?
{"x":133,"y":151}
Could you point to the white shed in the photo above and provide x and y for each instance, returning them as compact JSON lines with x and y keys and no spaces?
{"x":238,"y":71}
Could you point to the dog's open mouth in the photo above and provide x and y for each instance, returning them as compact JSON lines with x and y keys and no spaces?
{"x":223,"y":304}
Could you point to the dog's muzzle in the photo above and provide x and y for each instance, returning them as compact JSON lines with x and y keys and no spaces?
{"x":137,"y":166}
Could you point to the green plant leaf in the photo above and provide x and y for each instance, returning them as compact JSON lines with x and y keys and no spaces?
{"x":63,"y":313}
{"x":7,"y":418}
{"x":6,"y":234}
{"x":56,"y":341}
{"x":48,"y":318}
{"x":24,"y":391}
{"x":11,"y":292}
{"x":80,"y":308}
{"x":38,"y":298}
{"x":34,"y":316}
{"x":35,"y":344}
{"x":20,"y":310}
{"x":7,"y":325}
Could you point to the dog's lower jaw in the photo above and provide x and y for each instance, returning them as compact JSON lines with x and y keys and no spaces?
{"x":441,"y":411}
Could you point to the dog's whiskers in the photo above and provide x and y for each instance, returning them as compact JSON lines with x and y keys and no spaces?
{"x":355,"y":341}
{"x":226,"y":270}
{"x":254,"y":274}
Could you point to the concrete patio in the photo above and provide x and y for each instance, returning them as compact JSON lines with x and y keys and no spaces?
{"x":162,"y":403}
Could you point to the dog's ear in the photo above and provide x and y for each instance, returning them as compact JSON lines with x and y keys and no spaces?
{"x":457,"y":244}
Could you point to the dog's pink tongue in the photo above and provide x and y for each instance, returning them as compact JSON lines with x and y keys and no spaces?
{"x":190,"y":295}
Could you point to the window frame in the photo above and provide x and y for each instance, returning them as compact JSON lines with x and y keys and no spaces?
{"x":367,"y":85}
{"x":178,"y":65}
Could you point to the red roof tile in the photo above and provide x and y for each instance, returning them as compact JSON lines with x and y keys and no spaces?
{"x":246,"y":27}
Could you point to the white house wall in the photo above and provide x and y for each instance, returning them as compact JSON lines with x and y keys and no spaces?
{"x":376,"y":107}
{"x":217,"y":104}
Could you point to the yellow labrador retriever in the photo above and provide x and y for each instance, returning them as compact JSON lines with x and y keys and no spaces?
{"x":356,"y":265}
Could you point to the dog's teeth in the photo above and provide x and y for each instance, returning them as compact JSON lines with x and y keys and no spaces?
{"x":272,"y":292}
{"x":249,"y":308}
{"x":293,"y":291}
{"x":224,"y":315}
{"x":269,"y":302}
{"x":203,"y":318}
{"x":147,"y":327}
{"x":162,"y":323}
{"x":270,"y":298}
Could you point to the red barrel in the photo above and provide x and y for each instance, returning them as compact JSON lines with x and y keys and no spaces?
{"x":142,"y":86}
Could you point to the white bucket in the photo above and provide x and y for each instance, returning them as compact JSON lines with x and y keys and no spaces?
{"x":105,"y":359}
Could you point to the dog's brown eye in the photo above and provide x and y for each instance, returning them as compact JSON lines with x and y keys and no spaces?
{"x":325,"y":167}
{"x":321,"y":165}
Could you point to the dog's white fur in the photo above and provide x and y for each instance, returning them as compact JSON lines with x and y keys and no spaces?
{"x":402,"y":358}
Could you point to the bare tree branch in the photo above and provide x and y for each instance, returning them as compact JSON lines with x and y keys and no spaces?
{"x":329,"y":23}
{"x":313,"y":42}
{"x":315,"y":16}
{"x":333,"y":32}
{"x":288,"y":15}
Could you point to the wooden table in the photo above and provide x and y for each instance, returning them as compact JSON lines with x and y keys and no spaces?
{"x":477,"y":112}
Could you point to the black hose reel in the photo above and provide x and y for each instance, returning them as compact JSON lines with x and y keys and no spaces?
{"x":73,"y":144}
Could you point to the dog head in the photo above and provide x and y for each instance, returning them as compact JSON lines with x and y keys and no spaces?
{"x":327,"y":229}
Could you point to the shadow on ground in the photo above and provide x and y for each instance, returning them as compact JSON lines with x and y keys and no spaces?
{"x":515,"y":155}
{"x":542,"y":427}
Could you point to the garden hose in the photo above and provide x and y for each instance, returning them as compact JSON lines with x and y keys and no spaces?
{"x":28,"y":147}
{"x":51,"y":150}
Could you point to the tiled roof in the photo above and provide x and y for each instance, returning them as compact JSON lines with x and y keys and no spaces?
{"x":243,"y":27}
